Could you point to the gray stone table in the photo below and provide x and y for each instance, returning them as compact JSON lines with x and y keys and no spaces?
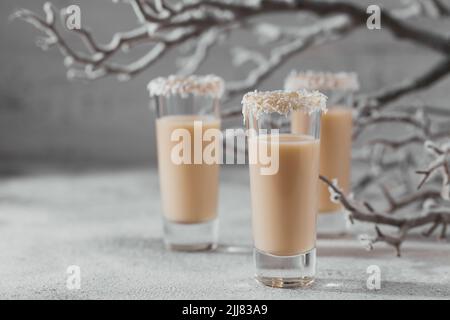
{"x":108,"y":224}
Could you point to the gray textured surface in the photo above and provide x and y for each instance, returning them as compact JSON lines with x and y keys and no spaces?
{"x":108,"y":223}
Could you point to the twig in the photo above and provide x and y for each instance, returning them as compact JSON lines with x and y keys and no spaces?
{"x":440,"y":163}
{"x":380,"y":99}
{"x":407,"y":200}
{"x":404,"y":225}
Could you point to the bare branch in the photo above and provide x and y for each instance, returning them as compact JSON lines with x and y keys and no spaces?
{"x":419,"y":121}
{"x":409,"y":199}
{"x":325,"y":30}
{"x":439,"y":164}
{"x":379,"y":100}
{"x":404,"y":225}
{"x":397,"y":144}
{"x":161,"y":24}
{"x":206,"y":41}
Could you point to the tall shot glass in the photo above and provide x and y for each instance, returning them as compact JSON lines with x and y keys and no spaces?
{"x":284,"y":172}
{"x":187,"y":111}
{"x":336,"y":140}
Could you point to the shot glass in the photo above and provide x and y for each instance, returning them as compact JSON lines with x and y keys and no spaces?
{"x":335,"y":142}
{"x":189,"y":151}
{"x":284,"y":170}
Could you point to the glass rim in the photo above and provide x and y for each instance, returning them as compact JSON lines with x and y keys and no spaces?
{"x":320,"y":80}
{"x":205,"y":86}
{"x":259,"y":103}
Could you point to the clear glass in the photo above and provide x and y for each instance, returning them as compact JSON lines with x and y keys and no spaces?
{"x":284,"y":198}
{"x":335,"y":158}
{"x":188,"y":184}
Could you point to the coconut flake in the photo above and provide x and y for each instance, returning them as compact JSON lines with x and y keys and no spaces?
{"x":208,"y":85}
{"x":259,"y":102}
{"x":345,"y":81}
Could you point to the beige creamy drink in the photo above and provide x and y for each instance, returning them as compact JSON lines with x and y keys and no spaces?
{"x":189,"y":191}
{"x":335,"y":153}
{"x":335,"y":150}
{"x":284,"y":205}
{"x":336,"y":127}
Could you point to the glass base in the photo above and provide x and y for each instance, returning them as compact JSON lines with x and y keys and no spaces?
{"x":332,"y":223}
{"x":285,"y":271}
{"x":191,"y":236}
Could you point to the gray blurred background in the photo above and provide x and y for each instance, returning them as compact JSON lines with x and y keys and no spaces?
{"x":45,"y":119}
